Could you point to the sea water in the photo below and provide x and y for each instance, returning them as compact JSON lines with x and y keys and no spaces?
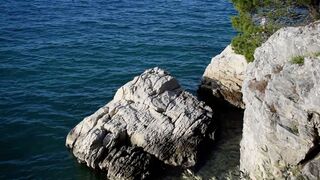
{"x":61,"y":60}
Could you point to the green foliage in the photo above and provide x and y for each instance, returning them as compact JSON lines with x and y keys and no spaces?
{"x":252,"y":34}
{"x":246,"y":44}
{"x":243,"y":23}
{"x":304,"y":2}
{"x":297,"y":60}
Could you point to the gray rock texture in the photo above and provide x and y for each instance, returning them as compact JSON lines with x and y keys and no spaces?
{"x":224,"y":77}
{"x":282,"y":117}
{"x":150,"y":119}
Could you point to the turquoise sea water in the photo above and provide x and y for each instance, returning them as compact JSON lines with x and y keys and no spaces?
{"x":61,"y":60}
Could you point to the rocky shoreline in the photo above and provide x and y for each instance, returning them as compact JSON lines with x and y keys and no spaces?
{"x":152,"y":122}
{"x":150,"y":119}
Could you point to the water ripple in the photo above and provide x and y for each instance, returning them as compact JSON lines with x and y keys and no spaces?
{"x":62,"y":60}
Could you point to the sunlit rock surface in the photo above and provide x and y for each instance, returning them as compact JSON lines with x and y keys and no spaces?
{"x":282,"y":117}
{"x":150,"y":119}
{"x":223,"y":77}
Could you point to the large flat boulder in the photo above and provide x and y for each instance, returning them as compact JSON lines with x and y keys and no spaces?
{"x":150,"y":119}
{"x":281,"y":128}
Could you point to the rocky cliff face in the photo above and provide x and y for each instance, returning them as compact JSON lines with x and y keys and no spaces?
{"x":281,"y":133}
{"x":151,"y":119}
{"x":224,"y":76}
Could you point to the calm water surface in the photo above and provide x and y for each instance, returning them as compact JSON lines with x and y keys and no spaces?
{"x":61,"y":60}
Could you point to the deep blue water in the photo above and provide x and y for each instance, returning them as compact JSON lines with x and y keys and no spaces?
{"x":61,"y":60}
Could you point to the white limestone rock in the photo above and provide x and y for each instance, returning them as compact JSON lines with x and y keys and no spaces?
{"x":224,"y":76}
{"x":151,"y":118}
{"x":281,"y":137}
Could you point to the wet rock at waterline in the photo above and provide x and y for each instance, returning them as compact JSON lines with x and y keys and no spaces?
{"x":150,"y":119}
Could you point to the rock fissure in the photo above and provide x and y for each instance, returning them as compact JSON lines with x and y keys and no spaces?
{"x":314,"y":151}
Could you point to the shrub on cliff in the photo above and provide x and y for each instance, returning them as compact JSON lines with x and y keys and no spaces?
{"x":297,"y":60}
{"x":259,"y":19}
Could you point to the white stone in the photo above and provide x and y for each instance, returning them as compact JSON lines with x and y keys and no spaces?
{"x":224,"y":76}
{"x":150,"y":118}
{"x":281,"y":120}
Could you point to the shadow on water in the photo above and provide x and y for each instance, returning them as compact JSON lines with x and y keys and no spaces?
{"x":219,"y":159}
{"x":222,"y":158}
{"x":83,"y":172}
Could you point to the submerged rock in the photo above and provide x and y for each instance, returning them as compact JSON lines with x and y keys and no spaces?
{"x":150,"y":119}
{"x":224,"y":76}
{"x":281,"y":128}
